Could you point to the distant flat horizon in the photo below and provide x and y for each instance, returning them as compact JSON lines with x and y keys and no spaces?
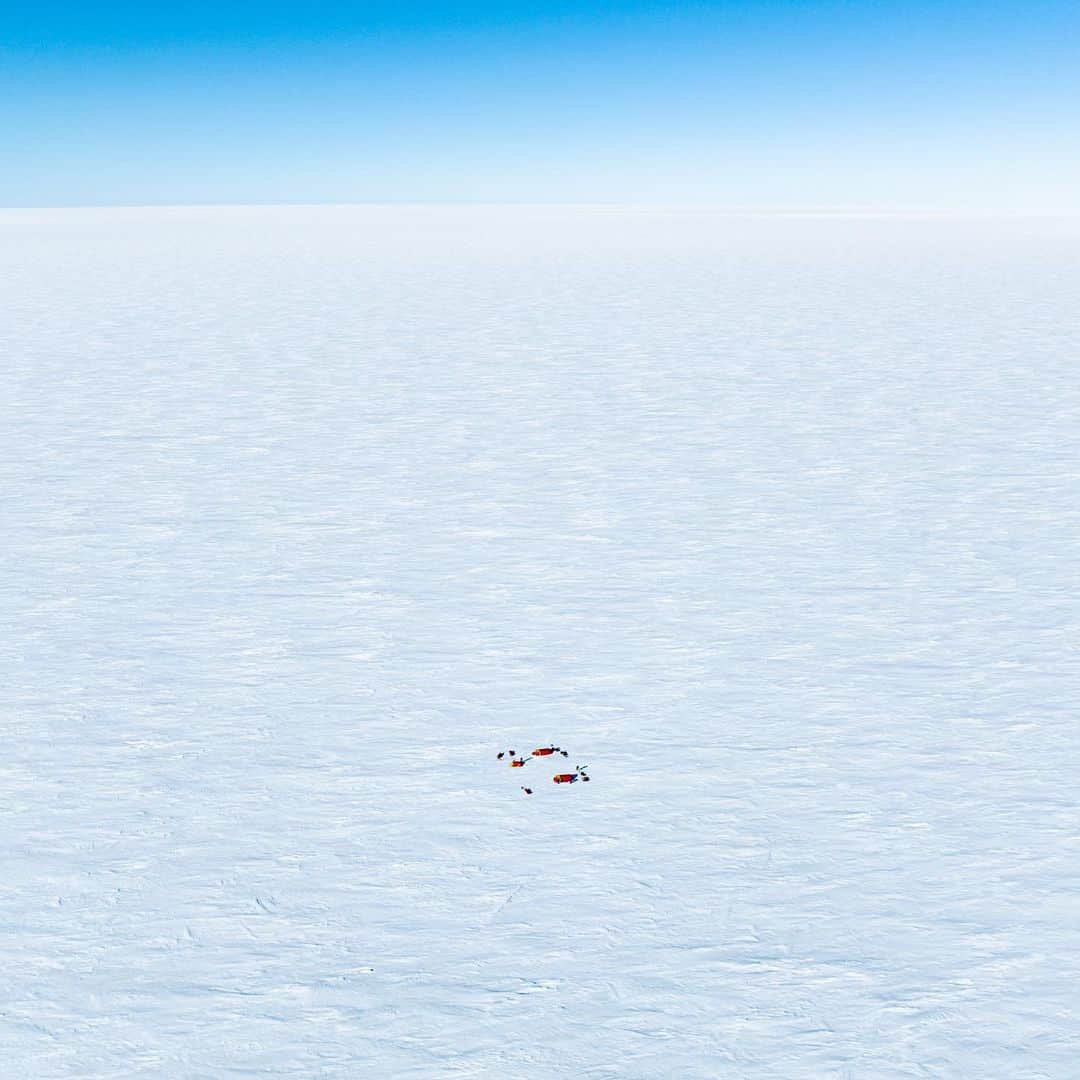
{"x":734,"y":209}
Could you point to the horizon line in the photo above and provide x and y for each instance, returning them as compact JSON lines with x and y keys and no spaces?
{"x":759,"y":209}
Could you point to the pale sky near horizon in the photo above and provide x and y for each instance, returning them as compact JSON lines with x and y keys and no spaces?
{"x":894,"y":106}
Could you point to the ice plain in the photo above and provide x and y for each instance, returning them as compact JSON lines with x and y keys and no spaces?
{"x":772,"y":520}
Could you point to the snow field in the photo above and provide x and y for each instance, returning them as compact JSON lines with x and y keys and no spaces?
{"x":308,"y":512}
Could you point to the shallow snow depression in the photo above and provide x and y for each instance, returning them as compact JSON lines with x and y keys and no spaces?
{"x":307,"y":513}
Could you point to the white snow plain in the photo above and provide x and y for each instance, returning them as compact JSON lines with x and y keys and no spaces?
{"x":772,"y":521}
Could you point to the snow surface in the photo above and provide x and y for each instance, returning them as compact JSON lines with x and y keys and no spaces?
{"x":772,"y":521}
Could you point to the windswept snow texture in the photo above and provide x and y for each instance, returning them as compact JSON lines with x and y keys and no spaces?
{"x":772,"y":522}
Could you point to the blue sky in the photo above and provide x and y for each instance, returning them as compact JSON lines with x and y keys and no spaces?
{"x":887,"y":105}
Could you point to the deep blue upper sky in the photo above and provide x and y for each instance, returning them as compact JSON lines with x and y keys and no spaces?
{"x":892,"y":105}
